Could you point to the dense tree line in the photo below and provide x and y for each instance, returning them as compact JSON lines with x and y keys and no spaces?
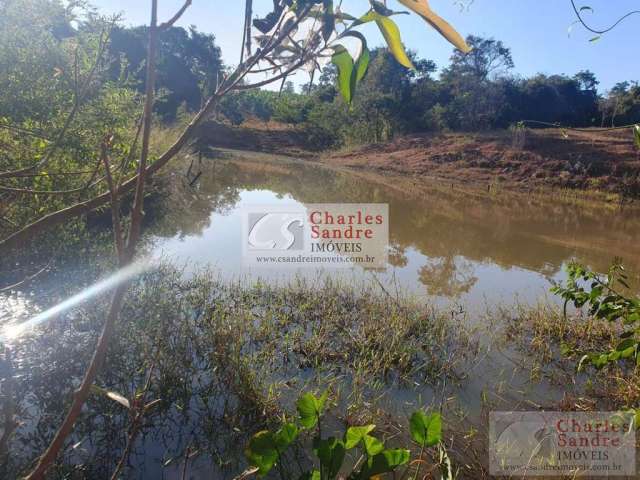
{"x":474,"y":92}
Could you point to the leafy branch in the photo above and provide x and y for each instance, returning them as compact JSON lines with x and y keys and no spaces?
{"x":602,"y":296}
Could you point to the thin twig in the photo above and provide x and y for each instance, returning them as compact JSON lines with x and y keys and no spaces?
{"x":10,"y":423}
{"x":28,"y":191}
{"x":228,"y":84}
{"x":26,"y":279}
{"x":115,"y":205}
{"x":576,"y":129}
{"x":142,"y":408}
{"x":108,"y":328}
{"x":137,"y":213}
{"x":594,"y":30}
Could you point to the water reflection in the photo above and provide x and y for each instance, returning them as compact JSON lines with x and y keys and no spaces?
{"x":452,"y":246}
{"x":444,"y":243}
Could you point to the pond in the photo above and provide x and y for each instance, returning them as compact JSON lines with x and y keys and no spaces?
{"x":446,"y":245}
{"x":465,"y":251}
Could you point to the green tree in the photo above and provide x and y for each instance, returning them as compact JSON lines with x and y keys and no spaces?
{"x":189,"y":65}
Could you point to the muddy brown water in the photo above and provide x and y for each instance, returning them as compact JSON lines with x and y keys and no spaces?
{"x":446,"y":245}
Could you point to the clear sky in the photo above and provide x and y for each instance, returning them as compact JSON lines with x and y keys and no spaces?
{"x":537,"y":31}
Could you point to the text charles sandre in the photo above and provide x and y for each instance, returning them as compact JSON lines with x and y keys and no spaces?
{"x":328,"y":226}
{"x":349,"y":233}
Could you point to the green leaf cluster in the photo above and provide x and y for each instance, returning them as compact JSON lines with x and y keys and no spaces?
{"x":605,"y":298}
{"x":266,"y":448}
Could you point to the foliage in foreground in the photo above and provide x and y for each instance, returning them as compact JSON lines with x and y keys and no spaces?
{"x":223,"y":360}
{"x":266,"y":448}
{"x":603,"y":297}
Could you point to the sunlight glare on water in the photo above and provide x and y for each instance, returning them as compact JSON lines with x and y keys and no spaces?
{"x":16,"y":309}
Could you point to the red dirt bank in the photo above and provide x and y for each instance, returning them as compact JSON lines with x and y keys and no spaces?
{"x":547,"y":158}
{"x":592,"y":160}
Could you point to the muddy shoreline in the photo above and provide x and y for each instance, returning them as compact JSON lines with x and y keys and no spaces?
{"x":598,"y":164}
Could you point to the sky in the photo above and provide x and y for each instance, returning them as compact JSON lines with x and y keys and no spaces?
{"x":538,"y":32}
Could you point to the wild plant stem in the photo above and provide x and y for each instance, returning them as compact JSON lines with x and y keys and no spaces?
{"x":415,"y":476}
{"x":108,"y":328}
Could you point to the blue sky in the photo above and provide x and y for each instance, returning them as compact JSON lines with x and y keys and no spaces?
{"x":535,"y":30}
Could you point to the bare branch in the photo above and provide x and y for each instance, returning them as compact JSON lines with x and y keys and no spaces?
{"x":26,"y":279}
{"x":10,"y":423}
{"x":141,"y":409}
{"x":25,"y":131}
{"x":118,"y":237}
{"x":283,"y":75}
{"x":28,"y":191}
{"x":176,"y":17}
{"x":232,"y":82}
{"x":108,"y":328}
{"x":246,"y":33}
{"x":82,"y":393}
{"x":136,"y":214}
{"x":60,"y":216}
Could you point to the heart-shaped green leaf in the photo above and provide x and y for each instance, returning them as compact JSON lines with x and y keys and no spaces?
{"x":331,"y":453}
{"x":344,"y":63}
{"x":372,"y":445}
{"x":426,"y":430}
{"x":354,"y":435}
{"x":349,"y":72}
{"x":262,"y":452}
{"x":310,"y":408}
{"x":384,"y":462}
{"x":286,"y":435}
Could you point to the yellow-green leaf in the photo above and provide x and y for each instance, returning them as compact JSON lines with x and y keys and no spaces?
{"x":391,"y":34}
{"x":343,"y":61}
{"x":422,"y":8}
{"x":362,"y":65}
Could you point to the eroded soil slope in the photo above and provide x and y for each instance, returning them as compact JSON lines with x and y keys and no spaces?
{"x":591,"y":160}
{"x":586,"y":160}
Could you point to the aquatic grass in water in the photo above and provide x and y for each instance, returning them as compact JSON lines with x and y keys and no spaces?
{"x":548,"y":341}
{"x":220,"y":360}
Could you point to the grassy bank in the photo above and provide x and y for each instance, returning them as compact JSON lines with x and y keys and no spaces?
{"x":549,"y":342}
